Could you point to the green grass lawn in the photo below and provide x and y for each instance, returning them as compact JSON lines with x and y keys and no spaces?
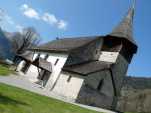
{"x":16,"y":100}
{"x":4,"y":70}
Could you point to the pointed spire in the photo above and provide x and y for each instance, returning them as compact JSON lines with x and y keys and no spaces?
{"x":125,"y":28}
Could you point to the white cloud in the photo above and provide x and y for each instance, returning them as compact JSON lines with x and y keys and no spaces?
{"x":19,"y":28}
{"x":46,"y":17}
{"x":9,"y":21}
{"x":52,"y":20}
{"x":5,"y":17}
{"x":2,"y":14}
{"x":62,"y":24}
{"x":49,"y":18}
{"x":24,"y":6}
{"x":29,"y":12}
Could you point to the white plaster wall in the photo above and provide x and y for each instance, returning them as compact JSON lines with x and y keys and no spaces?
{"x":69,"y":90}
{"x":35,"y":55}
{"x":42,"y":55}
{"x":108,"y":56}
{"x":56,"y":69}
{"x":32,"y":73}
{"x":20,"y":66}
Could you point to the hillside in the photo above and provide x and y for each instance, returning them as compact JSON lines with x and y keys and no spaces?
{"x":137,"y":82}
{"x":5,"y":46}
{"x":135,"y":95}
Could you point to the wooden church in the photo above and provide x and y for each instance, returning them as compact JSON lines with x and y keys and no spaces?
{"x":87,"y":70}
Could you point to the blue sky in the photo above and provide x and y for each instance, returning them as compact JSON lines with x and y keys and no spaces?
{"x":72,"y":18}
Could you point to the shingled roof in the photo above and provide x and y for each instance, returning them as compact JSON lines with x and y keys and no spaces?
{"x":87,"y":68}
{"x":41,"y":63}
{"x":28,"y":56}
{"x":125,"y":29}
{"x":65,"y":44}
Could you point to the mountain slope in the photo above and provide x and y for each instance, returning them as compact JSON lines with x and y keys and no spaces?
{"x":135,"y":95}
{"x":5,"y":46}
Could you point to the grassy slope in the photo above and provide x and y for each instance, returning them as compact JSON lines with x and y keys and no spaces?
{"x":4,"y":70}
{"x":15,"y":100}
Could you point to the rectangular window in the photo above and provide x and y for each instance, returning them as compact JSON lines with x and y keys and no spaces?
{"x":41,"y":73}
{"x":69,"y":78}
{"x":56,"y":62}
{"x":38,"y":55}
{"x":100,"y":85}
{"x":25,"y":67}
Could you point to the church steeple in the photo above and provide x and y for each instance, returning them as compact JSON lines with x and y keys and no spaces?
{"x":125,"y":29}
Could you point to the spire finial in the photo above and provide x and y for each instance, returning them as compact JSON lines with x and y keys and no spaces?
{"x":125,"y":28}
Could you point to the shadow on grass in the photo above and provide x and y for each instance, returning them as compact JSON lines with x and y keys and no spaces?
{"x":7,"y":100}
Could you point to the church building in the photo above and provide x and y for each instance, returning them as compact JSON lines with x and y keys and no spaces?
{"x":87,"y":70}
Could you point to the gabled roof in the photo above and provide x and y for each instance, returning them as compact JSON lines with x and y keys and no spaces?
{"x":28,"y":56}
{"x":125,"y":29}
{"x":88,"y":67}
{"x":65,"y":44}
{"x":41,"y":63}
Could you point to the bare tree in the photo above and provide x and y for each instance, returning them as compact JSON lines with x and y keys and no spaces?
{"x":22,"y":41}
{"x":27,"y":39}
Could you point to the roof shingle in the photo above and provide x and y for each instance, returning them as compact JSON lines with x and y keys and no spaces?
{"x":65,"y":44}
{"x":87,"y":68}
{"x":28,"y":56}
{"x":41,"y":63}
